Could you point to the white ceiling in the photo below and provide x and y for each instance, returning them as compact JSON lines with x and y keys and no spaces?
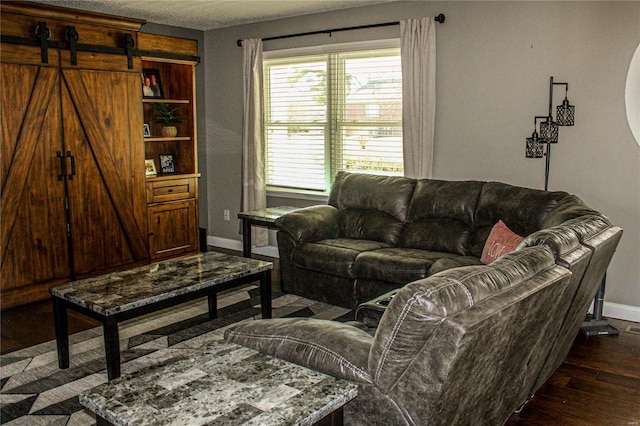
{"x":209,"y":14}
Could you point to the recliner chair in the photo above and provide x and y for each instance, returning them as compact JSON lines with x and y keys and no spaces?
{"x":464,"y":346}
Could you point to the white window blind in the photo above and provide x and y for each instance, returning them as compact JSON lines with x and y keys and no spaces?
{"x":330,"y":112}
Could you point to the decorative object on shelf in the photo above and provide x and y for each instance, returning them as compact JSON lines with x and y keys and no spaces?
{"x":168,"y":117}
{"x":167,"y":164}
{"x":150,"y":167}
{"x":151,"y":87}
{"x":565,"y":116}
{"x":147,"y":130}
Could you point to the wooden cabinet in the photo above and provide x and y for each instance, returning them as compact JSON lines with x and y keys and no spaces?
{"x":73,"y":190}
{"x":72,"y":152}
{"x":172,"y":196}
{"x":172,"y":228}
{"x":173,"y":216}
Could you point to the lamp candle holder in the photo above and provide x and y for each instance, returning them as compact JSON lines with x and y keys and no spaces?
{"x":535,"y":144}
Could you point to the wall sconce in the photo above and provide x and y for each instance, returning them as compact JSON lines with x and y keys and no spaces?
{"x":565,"y":116}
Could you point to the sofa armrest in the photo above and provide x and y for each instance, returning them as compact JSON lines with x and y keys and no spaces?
{"x":337,"y":349}
{"x":311,"y":223}
{"x":370,"y":313}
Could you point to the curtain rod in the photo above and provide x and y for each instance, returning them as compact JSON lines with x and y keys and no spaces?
{"x":440,"y":18}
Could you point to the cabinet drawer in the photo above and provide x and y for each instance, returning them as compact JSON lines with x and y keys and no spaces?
{"x":170,"y":190}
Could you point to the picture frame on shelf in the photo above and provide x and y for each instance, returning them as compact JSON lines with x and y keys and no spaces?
{"x":167,"y":164}
{"x":147,"y":130}
{"x":151,"y":86}
{"x":150,"y":167}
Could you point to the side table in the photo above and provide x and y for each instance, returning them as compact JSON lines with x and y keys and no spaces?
{"x":262,"y":217}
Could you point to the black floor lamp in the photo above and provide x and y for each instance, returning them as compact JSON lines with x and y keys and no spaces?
{"x":565,"y":116}
{"x":595,"y":324}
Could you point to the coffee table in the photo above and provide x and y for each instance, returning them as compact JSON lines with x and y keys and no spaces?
{"x":128,"y":294}
{"x":221,"y":384}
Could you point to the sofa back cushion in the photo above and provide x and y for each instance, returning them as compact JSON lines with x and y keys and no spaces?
{"x":375,"y":225}
{"x":523,"y":210}
{"x":560,"y":239}
{"x":567,"y":208}
{"x":441,"y":215}
{"x":387,"y":194}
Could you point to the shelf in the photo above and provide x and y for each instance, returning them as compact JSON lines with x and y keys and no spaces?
{"x":173,"y":176}
{"x":174,"y":139}
{"x":165,"y":101}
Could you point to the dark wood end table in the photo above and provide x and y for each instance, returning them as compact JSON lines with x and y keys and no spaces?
{"x":262,"y":217}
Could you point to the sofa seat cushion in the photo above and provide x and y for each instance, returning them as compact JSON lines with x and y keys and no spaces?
{"x":446,"y":263}
{"x":397,"y":265}
{"x":334,"y":256}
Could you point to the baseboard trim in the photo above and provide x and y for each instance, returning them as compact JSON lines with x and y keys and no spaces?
{"x":229,"y":244}
{"x":619,"y":311}
{"x":610,"y":309}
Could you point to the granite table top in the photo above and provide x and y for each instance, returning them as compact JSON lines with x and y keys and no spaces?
{"x":125,"y":290}
{"x":267,"y":214}
{"x":220,"y":384}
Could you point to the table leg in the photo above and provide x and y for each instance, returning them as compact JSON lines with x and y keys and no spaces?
{"x":62,"y":332}
{"x":112,"y":348}
{"x":265,"y":294}
{"x":338,"y":417}
{"x":335,"y":418}
{"x":246,"y":238}
{"x":213,"y":305}
{"x":101,"y":421}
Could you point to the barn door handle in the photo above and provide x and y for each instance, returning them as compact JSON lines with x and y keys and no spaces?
{"x":63,"y":166}
{"x":73,"y":165}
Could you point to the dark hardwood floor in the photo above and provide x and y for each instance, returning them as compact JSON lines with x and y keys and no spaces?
{"x":598,"y":384}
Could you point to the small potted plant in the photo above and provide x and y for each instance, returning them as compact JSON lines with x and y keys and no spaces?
{"x":168,"y":117}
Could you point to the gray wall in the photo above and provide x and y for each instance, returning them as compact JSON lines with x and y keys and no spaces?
{"x":494,"y":63}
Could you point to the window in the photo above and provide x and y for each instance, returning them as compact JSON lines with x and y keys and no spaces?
{"x":333,"y":111}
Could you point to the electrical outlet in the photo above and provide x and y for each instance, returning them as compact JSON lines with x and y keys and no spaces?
{"x":226,"y":215}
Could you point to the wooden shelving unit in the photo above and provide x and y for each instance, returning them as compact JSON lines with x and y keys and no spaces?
{"x":172,"y":198}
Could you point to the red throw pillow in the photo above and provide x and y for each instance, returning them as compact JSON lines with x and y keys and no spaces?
{"x":501,"y":241}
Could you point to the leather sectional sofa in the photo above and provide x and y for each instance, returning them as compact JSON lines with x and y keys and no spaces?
{"x":467,"y":344}
{"x":378,"y":233}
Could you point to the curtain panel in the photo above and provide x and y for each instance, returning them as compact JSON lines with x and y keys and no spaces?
{"x":418,"y":53}
{"x":254,"y":191}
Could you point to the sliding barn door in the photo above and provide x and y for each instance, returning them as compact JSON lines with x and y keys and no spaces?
{"x":71,"y":174}
{"x":32,"y":216}
{"x":102,"y":113}
{"x":72,"y":177}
